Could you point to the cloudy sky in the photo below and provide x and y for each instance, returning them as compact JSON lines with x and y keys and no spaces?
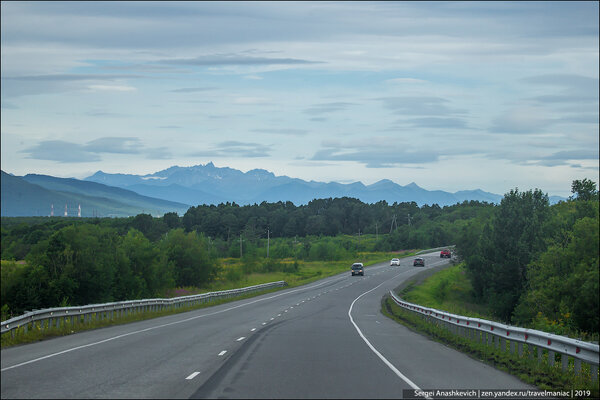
{"x":450,"y":95}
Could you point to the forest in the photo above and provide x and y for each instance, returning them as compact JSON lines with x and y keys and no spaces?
{"x":530,"y":263}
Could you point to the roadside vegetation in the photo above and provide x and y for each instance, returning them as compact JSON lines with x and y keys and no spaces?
{"x":529,"y":370}
{"x":536,"y":265}
{"x":56,"y":261}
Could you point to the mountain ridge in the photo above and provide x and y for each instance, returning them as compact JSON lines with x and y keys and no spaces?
{"x":222,"y":184}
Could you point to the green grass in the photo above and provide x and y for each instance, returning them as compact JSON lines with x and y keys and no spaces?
{"x":449,"y":290}
{"x":529,"y":370}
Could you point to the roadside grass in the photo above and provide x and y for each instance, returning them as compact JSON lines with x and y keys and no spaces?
{"x":307,"y":272}
{"x":449,"y":290}
{"x":527,"y":369}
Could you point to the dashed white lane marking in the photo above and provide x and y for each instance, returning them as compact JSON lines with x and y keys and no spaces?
{"x":240,"y":339}
{"x":279,"y":315}
{"x":223,"y":352}
{"x":264,"y":323}
{"x":286,"y":311}
{"x":192,"y":376}
{"x":252,"y":330}
{"x":272,"y":318}
{"x":162,"y":326}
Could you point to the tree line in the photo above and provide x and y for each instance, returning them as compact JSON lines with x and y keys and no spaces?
{"x":535,"y":264}
{"x":76,"y":261}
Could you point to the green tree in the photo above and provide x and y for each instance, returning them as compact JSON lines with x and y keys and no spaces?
{"x":584,"y":189}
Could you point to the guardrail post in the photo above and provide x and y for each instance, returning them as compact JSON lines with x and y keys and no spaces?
{"x":564,"y":358}
{"x":502,"y":344}
{"x":551,"y":358}
{"x":520,"y":347}
{"x":540,"y":352}
{"x":577,"y":366}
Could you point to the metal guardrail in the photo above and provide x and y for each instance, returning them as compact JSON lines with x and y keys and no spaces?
{"x":499,"y":335}
{"x":450,"y":246}
{"x":53,"y":316}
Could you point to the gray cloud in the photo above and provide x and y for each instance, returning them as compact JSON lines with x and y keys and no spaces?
{"x":232,"y":148}
{"x":101,"y":113}
{"x":575,"y":89}
{"x":328,"y":107}
{"x":419,"y":105}
{"x":234,"y":59}
{"x":283,"y":131}
{"x":55,"y":83}
{"x":61,"y":151}
{"x":435,"y":122}
{"x":170,"y":127}
{"x":158,"y":153}
{"x":193,"y":89}
{"x":381,"y":158}
{"x":70,"y":77}
{"x":119,"y":145}
{"x":68,"y":152}
{"x":374,"y":153}
{"x":521,"y":120}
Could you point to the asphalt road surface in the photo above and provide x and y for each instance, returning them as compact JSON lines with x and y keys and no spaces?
{"x":327,"y":339}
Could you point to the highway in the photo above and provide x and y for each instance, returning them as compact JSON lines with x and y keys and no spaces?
{"x":327,"y":339}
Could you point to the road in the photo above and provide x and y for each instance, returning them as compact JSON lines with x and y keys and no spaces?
{"x":327,"y":339}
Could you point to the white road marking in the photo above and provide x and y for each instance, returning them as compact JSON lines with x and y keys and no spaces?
{"x":286,"y":311}
{"x":264,"y":323}
{"x":192,"y":376}
{"x":279,"y":315}
{"x":223,"y":352}
{"x":272,"y":318}
{"x":160,"y":326}
{"x":389,"y":364}
{"x":240,"y":339}
{"x":252,"y":330}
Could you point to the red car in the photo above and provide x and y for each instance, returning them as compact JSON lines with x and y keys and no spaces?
{"x":445,"y":254}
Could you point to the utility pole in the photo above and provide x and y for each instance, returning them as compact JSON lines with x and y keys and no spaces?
{"x":408,"y":217}
{"x":393,"y":223}
{"x":376,"y":232}
{"x":359,"y":238}
{"x":241,"y":240}
{"x":268,"y":238}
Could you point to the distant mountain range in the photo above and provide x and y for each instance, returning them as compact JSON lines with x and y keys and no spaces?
{"x":207,"y":184}
{"x":177,"y":188}
{"x":34,"y":195}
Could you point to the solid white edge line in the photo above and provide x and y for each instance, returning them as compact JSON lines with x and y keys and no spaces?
{"x":386,"y":362}
{"x":192,"y":376}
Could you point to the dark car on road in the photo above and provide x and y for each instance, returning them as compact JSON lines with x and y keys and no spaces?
{"x":419,"y":262}
{"x":445,"y":254}
{"x":358,"y":269}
